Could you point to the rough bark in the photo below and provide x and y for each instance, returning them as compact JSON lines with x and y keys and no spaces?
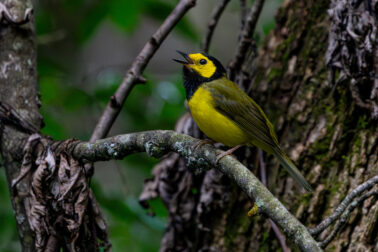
{"x":329,"y":136}
{"x":18,"y":85}
{"x":53,"y":208}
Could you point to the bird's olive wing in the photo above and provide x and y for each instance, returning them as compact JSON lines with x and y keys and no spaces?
{"x":232,"y":102}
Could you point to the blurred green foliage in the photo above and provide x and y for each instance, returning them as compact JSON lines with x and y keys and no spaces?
{"x":71,"y":109}
{"x":82,"y":18}
{"x":153,"y":105}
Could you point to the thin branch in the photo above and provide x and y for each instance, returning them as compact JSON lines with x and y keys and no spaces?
{"x":215,"y":16}
{"x":276,"y":230}
{"x":246,"y":37}
{"x":134,"y":74}
{"x":243,"y":16}
{"x":344,"y":204}
{"x":158,"y":143}
{"x":344,"y":218}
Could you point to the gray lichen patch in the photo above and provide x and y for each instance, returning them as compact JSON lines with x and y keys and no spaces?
{"x":154,"y":150}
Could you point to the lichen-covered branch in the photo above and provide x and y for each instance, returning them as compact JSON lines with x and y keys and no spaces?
{"x":367,"y":185}
{"x":134,"y":74}
{"x":159,"y":143}
{"x":345,"y":216}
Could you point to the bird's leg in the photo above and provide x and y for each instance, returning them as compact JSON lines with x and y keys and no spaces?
{"x":202,"y":142}
{"x":228,"y":152}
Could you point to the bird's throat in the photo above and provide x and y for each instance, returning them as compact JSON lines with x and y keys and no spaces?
{"x":192,"y":81}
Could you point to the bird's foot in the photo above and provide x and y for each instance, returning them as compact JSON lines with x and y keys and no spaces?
{"x":226,"y":153}
{"x":202,"y":142}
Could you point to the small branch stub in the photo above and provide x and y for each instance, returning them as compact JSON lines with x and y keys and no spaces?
{"x":6,"y":17}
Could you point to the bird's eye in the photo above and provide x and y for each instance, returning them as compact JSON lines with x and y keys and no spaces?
{"x":203,"y":61}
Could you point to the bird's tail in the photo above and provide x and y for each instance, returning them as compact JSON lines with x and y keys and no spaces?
{"x":292,"y":169}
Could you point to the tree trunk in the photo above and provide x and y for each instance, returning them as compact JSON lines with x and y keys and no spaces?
{"x":18,"y":85}
{"x":320,"y":124}
{"x":53,"y":210}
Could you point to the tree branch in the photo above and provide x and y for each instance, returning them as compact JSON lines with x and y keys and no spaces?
{"x":19,"y":95}
{"x":246,"y":37}
{"x":243,"y":15}
{"x":158,"y":143}
{"x":134,"y":74}
{"x":344,"y":204}
{"x":344,"y":218}
{"x":215,"y":16}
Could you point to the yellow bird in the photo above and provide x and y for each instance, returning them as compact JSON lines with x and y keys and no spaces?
{"x":228,"y":115}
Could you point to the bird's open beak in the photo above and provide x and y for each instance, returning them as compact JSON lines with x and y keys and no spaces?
{"x":188,"y":61}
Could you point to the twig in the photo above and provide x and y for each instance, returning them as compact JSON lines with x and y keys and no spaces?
{"x":344,"y":218}
{"x":276,"y":230}
{"x":158,"y":143}
{"x":215,"y":16}
{"x":344,"y":204}
{"x":243,"y":16}
{"x":246,"y":37}
{"x":9,"y":116}
{"x":134,"y":74}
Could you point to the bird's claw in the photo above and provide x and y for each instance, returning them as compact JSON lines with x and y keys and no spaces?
{"x":226,"y":153}
{"x":202,"y":142}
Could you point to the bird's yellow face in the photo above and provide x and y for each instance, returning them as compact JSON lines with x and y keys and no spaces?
{"x":199,"y":68}
{"x":200,"y":63}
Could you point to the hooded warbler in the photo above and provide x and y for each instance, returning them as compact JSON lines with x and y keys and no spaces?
{"x":226,"y":114}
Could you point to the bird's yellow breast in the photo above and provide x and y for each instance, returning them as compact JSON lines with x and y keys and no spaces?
{"x":215,"y":125}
